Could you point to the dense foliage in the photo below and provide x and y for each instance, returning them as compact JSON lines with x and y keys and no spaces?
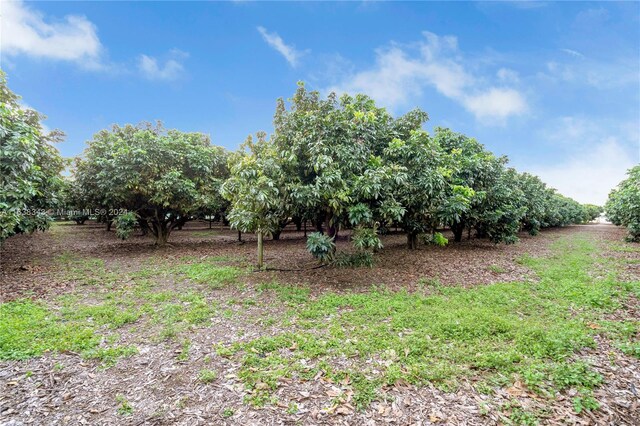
{"x":259,"y":199}
{"x":164,"y":177}
{"x":30,"y":167}
{"x":336,"y":163}
{"x":331,"y":153}
{"x":623,"y":206}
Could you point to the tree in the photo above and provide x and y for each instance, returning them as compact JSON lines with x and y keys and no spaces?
{"x":75,"y":202}
{"x":164,"y":177}
{"x":591,"y":212}
{"x":331,"y":152}
{"x":563,"y":211}
{"x":623,"y":206}
{"x":536,"y":199}
{"x":494,"y":208}
{"x":30,"y":167}
{"x":259,"y":200}
{"x":422,"y":194}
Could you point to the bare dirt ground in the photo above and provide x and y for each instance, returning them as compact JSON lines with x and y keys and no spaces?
{"x":27,"y":260}
{"x":67,"y":389}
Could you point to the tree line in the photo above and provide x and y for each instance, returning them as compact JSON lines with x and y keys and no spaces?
{"x":331,"y":163}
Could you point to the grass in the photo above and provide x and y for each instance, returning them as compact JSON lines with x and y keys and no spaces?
{"x":207,"y":376}
{"x":496,"y":269}
{"x":511,"y":330}
{"x":29,"y":329}
{"x":78,"y":322}
{"x":212,"y":275}
{"x":497,"y":334}
{"x":124,"y":408}
{"x":109,"y":356}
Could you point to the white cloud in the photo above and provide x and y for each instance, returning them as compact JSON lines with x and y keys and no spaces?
{"x":573,"y":53}
{"x":172,"y":69}
{"x":589,"y":175}
{"x":496,"y":103}
{"x":274,"y":40}
{"x":400,"y":75}
{"x":26,"y":31}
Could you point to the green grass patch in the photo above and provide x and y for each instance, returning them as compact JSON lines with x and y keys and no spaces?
{"x":288,"y":294}
{"x":506,"y":330}
{"x":109,"y":356}
{"x":215,"y":276}
{"x":29,"y":329}
{"x":207,"y":376}
{"x":124,"y":407}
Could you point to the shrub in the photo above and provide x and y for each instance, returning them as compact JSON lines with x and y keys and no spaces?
{"x":321,"y":247}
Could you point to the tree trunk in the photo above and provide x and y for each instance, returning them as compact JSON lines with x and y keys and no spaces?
{"x":331,"y":228}
{"x":162,"y":234}
{"x":298,"y":222}
{"x":458,"y":229}
{"x":260,"y":249}
{"x":481,"y":232}
{"x":239,"y":236}
{"x":412,"y":240}
{"x":305,"y":229}
{"x":276,"y":235}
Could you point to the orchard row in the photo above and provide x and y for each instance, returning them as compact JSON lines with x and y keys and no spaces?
{"x":332,"y":163}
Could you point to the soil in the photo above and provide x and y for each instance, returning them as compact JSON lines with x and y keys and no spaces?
{"x":27,"y":263}
{"x":65,"y":389}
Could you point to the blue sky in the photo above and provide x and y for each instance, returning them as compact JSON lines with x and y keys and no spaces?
{"x":555,"y":86}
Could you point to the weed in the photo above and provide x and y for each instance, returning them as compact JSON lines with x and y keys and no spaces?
{"x":497,"y":269}
{"x":29,"y":329}
{"x":183,"y":353}
{"x":109,"y":356}
{"x":585,"y":402}
{"x":496,"y":330}
{"x":205,"y":273}
{"x":207,"y":376}
{"x":125,"y":407}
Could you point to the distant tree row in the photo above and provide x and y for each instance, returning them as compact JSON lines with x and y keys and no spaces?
{"x":623,"y":205}
{"x":332,"y":163}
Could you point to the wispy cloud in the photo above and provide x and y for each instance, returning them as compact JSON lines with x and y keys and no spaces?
{"x":172,"y":69}
{"x":288,"y":51}
{"x":598,"y":74}
{"x":26,"y":31}
{"x":402,"y":72}
{"x":573,"y":53}
{"x":507,"y":75}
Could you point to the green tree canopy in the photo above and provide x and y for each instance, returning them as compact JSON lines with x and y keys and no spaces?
{"x":163,"y":176}
{"x":30,"y":167}
{"x":256,"y":190}
{"x":332,"y":153}
{"x":623,"y":205}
